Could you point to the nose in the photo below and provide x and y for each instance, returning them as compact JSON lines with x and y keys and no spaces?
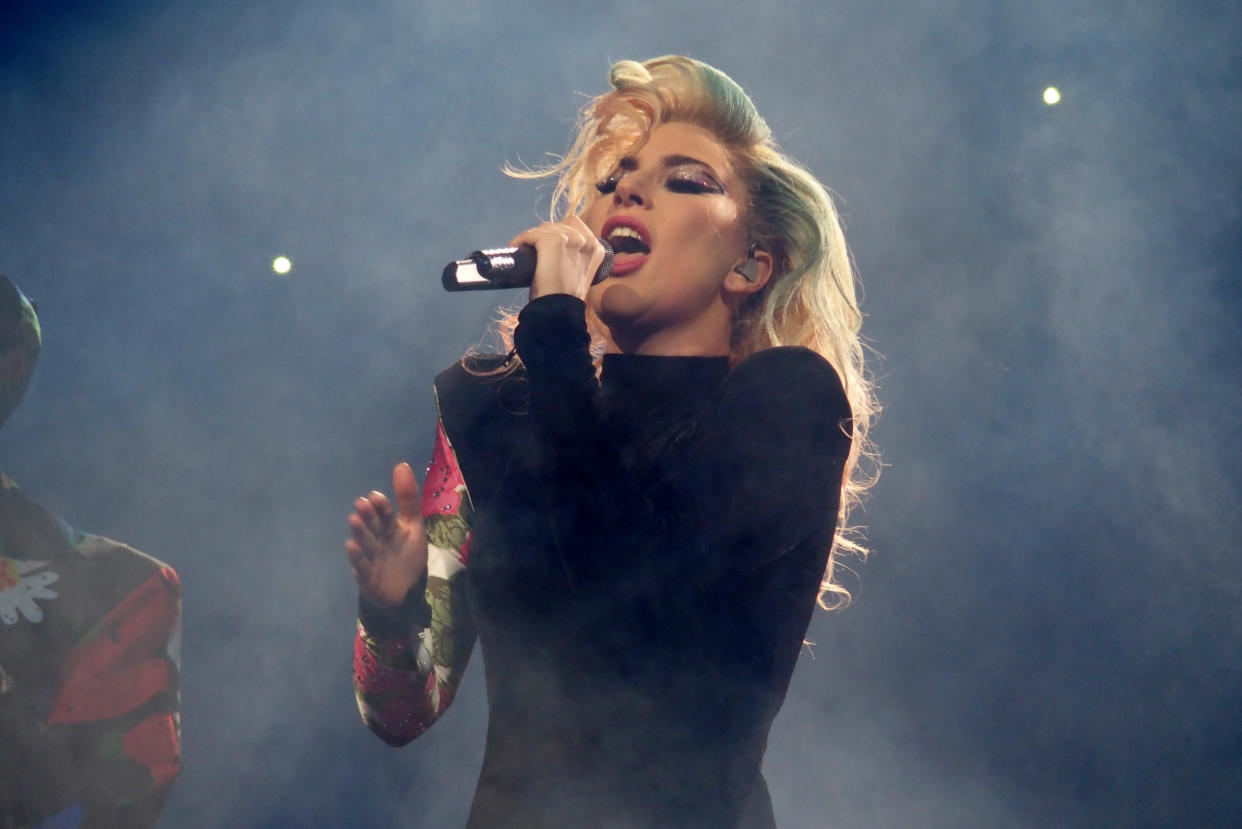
{"x":628,"y":192}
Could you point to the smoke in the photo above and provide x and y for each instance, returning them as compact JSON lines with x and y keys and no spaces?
{"x":1055,"y":576}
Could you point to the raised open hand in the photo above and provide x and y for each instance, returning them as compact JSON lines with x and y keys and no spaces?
{"x":388,"y":546}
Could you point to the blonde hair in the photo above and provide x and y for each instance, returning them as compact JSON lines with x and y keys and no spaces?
{"x":810,"y":299}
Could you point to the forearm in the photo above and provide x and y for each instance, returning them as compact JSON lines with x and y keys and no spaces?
{"x":408,"y":660}
{"x":394,"y":685}
{"x":596,"y":506}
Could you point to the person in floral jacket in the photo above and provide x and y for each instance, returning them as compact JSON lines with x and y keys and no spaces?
{"x":89,"y":651}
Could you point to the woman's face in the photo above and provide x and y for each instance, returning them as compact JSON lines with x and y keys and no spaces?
{"x":672,"y":211}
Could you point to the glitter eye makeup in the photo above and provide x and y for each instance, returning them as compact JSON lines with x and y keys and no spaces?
{"x":691,"y":178}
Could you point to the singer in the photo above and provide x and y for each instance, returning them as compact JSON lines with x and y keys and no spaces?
{"x":635,"y":511}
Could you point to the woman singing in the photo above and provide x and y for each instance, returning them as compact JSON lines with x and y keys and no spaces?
{"x":635,"y":510}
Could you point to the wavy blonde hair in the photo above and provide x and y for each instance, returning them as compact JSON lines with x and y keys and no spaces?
{"x":811,"y":298}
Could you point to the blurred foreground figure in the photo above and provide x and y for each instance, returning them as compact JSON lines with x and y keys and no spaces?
{"x":634,"y":511}
{"x":89,"y":662}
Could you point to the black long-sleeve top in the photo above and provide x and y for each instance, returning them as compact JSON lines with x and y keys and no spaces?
{"x":646,"y":553}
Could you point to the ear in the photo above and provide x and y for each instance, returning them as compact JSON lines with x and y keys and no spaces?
{"x":749,"y":275}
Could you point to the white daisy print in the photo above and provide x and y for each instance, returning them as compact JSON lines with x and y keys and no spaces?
{"x":20,"y":586}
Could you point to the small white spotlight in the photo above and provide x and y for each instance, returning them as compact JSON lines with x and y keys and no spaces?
{"x":1052,"y":96}
{"x":282,"y":265}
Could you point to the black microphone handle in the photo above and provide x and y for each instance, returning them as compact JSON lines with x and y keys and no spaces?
{"x":512,"y":267}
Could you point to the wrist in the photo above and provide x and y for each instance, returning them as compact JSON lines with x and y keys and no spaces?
{"x":384,"y":621}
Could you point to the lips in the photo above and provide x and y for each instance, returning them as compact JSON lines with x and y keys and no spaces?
{"x":630,"y":241}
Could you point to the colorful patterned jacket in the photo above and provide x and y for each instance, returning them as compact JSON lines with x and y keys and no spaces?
{"x":89,"y":652}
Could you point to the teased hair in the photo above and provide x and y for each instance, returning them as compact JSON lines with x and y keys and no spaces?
{"x":809,"y":301}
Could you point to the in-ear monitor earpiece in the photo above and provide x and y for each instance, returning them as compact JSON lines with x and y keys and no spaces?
{"x":750,"y":268}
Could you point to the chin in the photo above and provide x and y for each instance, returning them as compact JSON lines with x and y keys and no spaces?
{"x":618,"y":303}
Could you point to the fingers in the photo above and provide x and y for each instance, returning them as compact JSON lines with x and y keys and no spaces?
{"x":366,"y":547}
{"x":405,"y":490}
{"x":568,"y":255}
{"x":362,"y":537}
{"x":359,"y":562}
{"x":381,"y":505}
{"x":374,"y":525}
{"x":357,"y":558}
{"x":376,"y":515}
{"x":591,"y":242}
{"x":575,"y":222}
{"x":569,"y":234}
{"x":549,"y":235}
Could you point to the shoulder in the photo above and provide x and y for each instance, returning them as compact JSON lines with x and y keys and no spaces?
{"x":479,"y":379}
{"x":478,"y":398}
{"x":472,"y":368}
{"x":789,"y":382}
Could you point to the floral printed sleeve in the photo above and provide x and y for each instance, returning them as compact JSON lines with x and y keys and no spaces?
{"x":406,"y":671}
{"x":89,"y":674}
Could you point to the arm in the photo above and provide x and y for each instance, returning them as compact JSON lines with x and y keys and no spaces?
{"x":409,"y":659}
{"x":771,"y":458}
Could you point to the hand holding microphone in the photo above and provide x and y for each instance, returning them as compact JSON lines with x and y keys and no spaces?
{"x":554,"y":257}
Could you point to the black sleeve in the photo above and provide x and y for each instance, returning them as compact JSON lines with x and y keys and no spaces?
{"x":396,"y":622}
{"x":760,"y":475}
{"x":552,"y":340}
{"x":768,"y":466}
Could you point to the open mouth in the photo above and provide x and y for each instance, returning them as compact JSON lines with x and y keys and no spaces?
{"x":625,"y":239}
{"x":629,"y":240}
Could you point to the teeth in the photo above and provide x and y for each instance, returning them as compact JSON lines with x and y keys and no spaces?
{"x":622,"y":230}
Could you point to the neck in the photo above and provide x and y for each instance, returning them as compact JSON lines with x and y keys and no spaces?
{"x":701,"y":338}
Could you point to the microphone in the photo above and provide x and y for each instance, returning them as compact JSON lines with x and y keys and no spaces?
{"x":495,"y":268}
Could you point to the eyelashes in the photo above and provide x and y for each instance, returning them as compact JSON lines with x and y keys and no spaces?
{"x":691,"y":184}
{"x":679,"y":180}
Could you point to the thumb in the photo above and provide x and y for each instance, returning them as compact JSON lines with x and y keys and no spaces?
{"x":405,"y":491}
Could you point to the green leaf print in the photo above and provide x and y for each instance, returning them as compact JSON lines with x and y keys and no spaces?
{"x":448,"y":531}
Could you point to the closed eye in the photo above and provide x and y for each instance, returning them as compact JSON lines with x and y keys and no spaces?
{"x":684,"y":178}
{"x":682,"y":183}
{"x":689,"y":175}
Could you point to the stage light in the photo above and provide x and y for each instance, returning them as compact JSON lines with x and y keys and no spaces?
{"x":282,"y":265}
{"x":1052,"y":96}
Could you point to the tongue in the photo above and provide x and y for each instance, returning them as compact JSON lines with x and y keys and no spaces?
{"x":628,"y":244}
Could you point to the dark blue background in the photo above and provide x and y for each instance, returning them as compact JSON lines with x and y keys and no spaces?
{"x":1047,"y":633}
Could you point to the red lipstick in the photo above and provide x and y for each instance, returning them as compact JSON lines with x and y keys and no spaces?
{"x":628,"y":261}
